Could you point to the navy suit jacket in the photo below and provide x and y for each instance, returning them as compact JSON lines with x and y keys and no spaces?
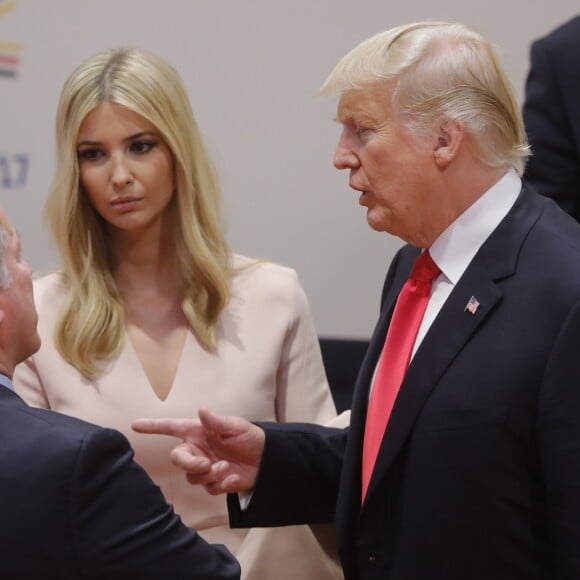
{"x":73,"y":504}
{"x":552,"y":116}
{"x":478,"y":475}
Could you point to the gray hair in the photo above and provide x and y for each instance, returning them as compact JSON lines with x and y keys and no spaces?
{"x":5,"y":277}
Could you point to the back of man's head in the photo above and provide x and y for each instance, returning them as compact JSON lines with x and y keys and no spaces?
{"x":5,"y":278}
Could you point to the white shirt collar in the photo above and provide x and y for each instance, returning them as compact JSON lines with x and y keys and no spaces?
{"x":454,"y":249}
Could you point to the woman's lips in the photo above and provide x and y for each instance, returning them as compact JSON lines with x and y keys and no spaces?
{"x":126,"y":204}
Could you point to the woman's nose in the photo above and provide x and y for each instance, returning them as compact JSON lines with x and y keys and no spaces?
{"x":121,"y":173}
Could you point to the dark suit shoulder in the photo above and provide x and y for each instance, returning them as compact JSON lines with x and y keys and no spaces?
{"x":560,"y":50}
{"x":557,"y":228}
{"x":62,"y":426}
{"x":565,"y":33}
{"x":74,"y":502}
{"x":47,"y":431}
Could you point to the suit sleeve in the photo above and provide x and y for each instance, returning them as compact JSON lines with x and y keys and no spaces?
{"x":123,"y":527}
{"x":558,"y":428}
{"x":298,"y":479}
{"x":554,"y":168}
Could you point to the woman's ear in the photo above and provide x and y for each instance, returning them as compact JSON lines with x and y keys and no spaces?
{"x":449,"y":141}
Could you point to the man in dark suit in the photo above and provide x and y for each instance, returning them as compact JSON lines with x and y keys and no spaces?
{"x":552,"y":116}
{"x":478,"y":470}
{"x":73,"y":503}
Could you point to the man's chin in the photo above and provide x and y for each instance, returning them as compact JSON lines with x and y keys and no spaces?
{"x":35,"y":346}
{"x":375,"y":223}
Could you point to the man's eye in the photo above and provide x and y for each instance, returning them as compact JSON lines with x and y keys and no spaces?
{"x":360,"y":130}
{"x":90,"y":154}
{"x":142,"y":146}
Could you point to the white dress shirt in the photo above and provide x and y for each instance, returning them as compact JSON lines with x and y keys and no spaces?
{"x":456,"y":246}
{"x":454,"y":249}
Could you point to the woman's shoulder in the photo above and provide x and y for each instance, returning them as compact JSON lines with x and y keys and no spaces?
{"x":266,"y":295}
{"x":263,"y":273}
{"x":266,"y":285}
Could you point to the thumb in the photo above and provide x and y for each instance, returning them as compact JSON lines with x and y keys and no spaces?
{"x":212,"y":422}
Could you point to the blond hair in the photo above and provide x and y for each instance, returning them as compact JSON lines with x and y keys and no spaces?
{"x":440,"y":70}
{"x":91,"y":326}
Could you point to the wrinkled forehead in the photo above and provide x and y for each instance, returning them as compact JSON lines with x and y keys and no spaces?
{"x":372,"y":101}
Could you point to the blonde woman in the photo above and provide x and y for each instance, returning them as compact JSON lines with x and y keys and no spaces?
{"x":151,"y":314}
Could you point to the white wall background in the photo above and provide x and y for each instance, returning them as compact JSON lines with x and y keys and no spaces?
{"x":252,"y":69}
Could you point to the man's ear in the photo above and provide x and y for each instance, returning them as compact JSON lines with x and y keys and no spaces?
{"x":449,"y":139}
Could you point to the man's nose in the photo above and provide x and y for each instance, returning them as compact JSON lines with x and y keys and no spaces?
{"x":344,"y":157}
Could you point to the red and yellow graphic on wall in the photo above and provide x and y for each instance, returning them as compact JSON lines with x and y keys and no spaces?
{"x":9,"y":51}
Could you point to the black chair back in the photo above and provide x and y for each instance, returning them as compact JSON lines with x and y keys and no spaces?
{"x":342,"y":359}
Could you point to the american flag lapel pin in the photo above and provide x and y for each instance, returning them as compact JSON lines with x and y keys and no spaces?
{"x":472,"y":305}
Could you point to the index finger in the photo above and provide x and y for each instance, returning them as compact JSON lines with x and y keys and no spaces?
{"x":175,"y":427}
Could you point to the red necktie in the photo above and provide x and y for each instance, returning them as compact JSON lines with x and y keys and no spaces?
{"x":409,"y":310}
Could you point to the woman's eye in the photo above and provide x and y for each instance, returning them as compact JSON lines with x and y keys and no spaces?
{"x":142,"y":146}
{"x":90,"y":154}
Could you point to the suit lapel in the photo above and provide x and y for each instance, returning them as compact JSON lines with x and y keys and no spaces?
{"x":454,"y":325}
{"x":396,"y":278}
{"x":347,"y":510}
{"x":450,"y":331}
{"x":361,"y":393}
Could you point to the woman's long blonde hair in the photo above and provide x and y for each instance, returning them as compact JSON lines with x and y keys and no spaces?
{"x":91,"y":325}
